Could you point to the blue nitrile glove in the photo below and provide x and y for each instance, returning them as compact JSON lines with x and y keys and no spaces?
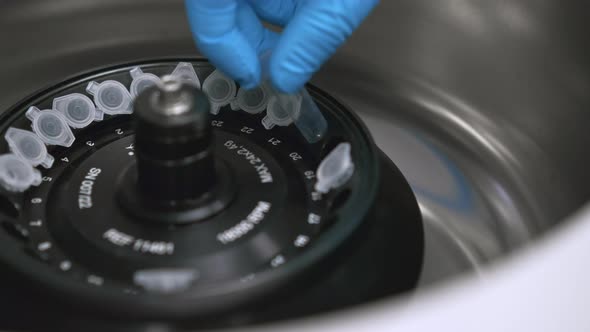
{"x":230,"y":33}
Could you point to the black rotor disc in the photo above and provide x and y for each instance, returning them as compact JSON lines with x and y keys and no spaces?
{"x":277,"y":249}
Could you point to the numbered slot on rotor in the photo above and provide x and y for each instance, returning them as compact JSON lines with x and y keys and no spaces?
{"x":29,"y":147}
{"x":78,"y":110}
{"x":220,"y":89}
{"x":111,"y":97}
{"x":51,"y":126}
{"x":253,"y":101}
{"x":298,"y":108}
{"x":335,"y":170}
{"x":17,"y":175}
{"x":142,"y":81}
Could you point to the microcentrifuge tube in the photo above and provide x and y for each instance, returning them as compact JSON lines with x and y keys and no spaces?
{"x":220,"y":89}
{"x":311,"y":121}
{"x":51,"y":126}
{"x":282,"y":110}
{"x":78,"y":110}
{"x":252,"y":101}
{"x":335,"y":170}
{"x":298,"y":108}
{"x":17,"y":175}
{"x":142,"y":81}
{"x":29,"y":147}
{"x":186,"y":73}
{"x":111,"y":97}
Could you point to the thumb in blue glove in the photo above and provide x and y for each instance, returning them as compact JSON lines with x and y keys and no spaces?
{"x":231,"y":34}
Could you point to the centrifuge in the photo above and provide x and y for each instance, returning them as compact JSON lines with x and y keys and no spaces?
{"x":431,"y":175}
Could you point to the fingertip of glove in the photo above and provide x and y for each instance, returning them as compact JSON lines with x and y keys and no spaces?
{"x":249,"y":82}
{"x":251,"y":75}
{"x":247,"y":78}
{"x":241,"y":66}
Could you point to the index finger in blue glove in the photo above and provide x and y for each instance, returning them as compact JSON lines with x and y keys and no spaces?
{"x":312,"y":35}
{"x":230,"y":34}
{"x":277,"y":12}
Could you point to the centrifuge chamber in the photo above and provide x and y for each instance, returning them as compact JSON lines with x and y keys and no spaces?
{"x":482,"y":105}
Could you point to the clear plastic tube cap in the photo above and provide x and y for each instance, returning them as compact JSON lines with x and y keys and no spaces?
{"x":111,"y":97}
{"x":252,"y":101}
{"x":282,"y":110}
{"x":78,"y":110}
{"x":299,"y":108}
{"x":17,"y":175}
{"x":142,"y":81}
{"x":51,"y":126}
{"x":304,"y":111}
{"x":335,"y":170}
{"x":220,"y":89}
{"x":29,"y":147}
{"x":186,"y":73}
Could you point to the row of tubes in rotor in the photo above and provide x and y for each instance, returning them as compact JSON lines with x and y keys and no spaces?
{"x":75,"y":111}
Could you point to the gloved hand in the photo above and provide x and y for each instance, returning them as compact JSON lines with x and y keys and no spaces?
{"x":230,"y":33}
